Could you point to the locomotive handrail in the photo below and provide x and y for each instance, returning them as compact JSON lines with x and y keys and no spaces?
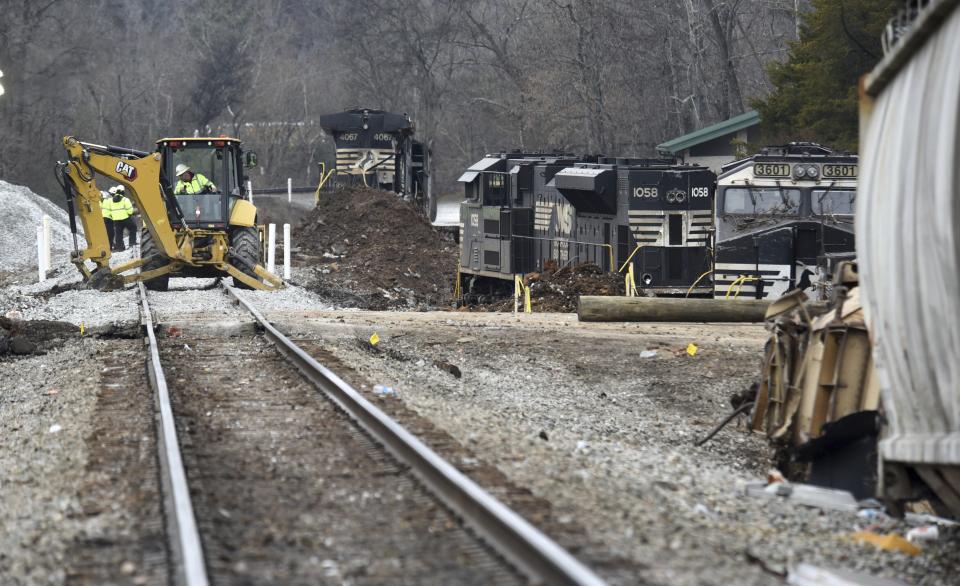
{"x":738,"y":283}
{"x":629,"y":258}
{"x":324,"y":177}
{"x":696,"y":282}
{"x":609,"y":247}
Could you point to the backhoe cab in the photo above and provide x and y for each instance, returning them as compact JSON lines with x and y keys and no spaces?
{"x":200,"y":224}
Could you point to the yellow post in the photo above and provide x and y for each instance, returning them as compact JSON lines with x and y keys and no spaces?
{"x":521,"y":290}
{"x":630,"y":284}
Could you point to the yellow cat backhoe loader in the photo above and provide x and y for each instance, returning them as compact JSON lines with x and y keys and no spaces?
{"x":204,"y":229}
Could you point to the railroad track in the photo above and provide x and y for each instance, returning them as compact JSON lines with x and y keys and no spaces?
{"x":267,"y":480}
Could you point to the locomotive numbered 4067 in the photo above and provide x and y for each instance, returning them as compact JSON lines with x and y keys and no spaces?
{"x":781,"y":220}
{"x":523,"y":210}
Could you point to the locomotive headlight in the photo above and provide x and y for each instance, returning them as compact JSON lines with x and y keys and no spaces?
{"x":799,"y":172}
{"x":812,"y":171}
{"x":676,"y":196}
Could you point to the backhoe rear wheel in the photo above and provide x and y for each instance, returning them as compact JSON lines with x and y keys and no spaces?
{"x":148,"y":248}
{"x":244,"y":253}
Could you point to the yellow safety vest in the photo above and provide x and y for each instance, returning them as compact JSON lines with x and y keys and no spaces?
{"x":120,"y":210}
{"x":194,"y":186}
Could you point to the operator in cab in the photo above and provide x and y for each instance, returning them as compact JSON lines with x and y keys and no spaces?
{"x":190,"y":183}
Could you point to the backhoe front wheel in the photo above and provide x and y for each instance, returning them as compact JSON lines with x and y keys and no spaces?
{"x":148,"y":248}
{"x":244,"y":253}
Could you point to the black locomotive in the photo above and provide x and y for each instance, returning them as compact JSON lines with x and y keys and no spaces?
{"x":784,"y":220}
{"x":377,"y":149}
{"x":524,"y":210}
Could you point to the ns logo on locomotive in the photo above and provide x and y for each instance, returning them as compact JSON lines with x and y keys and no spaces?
{"x":523,"y":210}
{"x":782,"y":219}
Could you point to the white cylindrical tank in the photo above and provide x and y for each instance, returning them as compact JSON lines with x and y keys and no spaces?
{"x":908,"y":243}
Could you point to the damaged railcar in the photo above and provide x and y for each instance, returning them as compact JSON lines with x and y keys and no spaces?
{"x":784,"y":220}
{"x":867,"y":395}
{"x":908,"y":231}
{"x":818,"y":399}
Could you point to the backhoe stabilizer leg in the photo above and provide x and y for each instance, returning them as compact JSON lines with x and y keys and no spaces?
{"x":104,"y":279}
{"x":152,"y":273}
{"x":84,"y":270}
{"x":273,"y":282}
{"x":269,"y":277}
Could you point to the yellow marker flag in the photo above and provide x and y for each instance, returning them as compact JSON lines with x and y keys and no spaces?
{"x":374,"y":339}
{"x":692,"y":349}
{"x":82,"y":329}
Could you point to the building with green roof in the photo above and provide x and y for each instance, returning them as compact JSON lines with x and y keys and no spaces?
{"x":717,"y":144}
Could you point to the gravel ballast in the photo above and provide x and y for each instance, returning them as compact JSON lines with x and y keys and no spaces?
{"x":566,"y":409}
{"x":46,"y":404}
{"x":23,"y":212}
{"x":571,"y":411}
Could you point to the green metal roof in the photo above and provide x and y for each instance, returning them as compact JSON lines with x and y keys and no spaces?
{"x":745,"y":120}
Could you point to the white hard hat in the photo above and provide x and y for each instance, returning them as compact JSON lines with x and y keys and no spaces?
{"x":112,"y":190}
{"x":181,"y":169}
{"x":120,"y":189}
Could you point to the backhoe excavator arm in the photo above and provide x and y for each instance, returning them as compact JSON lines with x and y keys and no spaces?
{"x":208,"y":249}
{"x":140,"y":176}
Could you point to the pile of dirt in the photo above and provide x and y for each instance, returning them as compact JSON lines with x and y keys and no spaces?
{"x":32,"y":337}
{"x":557,"y":290}
{"x":21,"y":212}
{"x":19,"y":337}
{"x":370,"y":249}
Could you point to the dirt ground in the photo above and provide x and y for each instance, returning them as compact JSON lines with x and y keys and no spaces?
{"x":569,"y":411}
{"x":559,"y":290}
{"x":368,"y":248}
{"x":572,"y":412}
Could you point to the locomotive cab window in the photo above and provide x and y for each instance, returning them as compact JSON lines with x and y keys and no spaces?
{"x":761,"y":200}
{"x":834,"y":202}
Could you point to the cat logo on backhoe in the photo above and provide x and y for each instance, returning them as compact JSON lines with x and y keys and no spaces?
{"x":127,"y":170}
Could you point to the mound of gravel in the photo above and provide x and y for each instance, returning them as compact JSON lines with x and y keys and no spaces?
{"x":21,"y":212}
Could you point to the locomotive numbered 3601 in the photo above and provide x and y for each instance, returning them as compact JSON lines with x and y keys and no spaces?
{"x":784,"y":219}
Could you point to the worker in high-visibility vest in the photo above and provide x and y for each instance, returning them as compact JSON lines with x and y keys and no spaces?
{"x":191,"y":183}
{"x":128,"y":225}
{"x":121,"y":212}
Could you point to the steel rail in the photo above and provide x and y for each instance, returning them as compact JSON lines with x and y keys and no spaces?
{"x":184,"y":537}
{"x":537,"y":556}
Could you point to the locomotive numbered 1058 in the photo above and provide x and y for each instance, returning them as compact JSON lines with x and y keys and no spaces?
{"x":523,"y":210}
{"x":784,"y":220}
